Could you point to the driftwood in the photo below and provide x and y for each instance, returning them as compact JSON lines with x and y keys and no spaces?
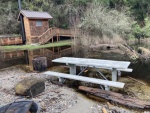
{"x":117,"y":97}
{"x":96,"y":98}
{"x":104,"y":110}
{"x":136,"y":80}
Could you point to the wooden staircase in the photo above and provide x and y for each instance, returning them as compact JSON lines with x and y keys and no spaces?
{"x":54,"y":32}
{"x":46,"y":36}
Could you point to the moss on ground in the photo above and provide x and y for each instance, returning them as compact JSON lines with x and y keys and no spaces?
{"x":31,"y":47}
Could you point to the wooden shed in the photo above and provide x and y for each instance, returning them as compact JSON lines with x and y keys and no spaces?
{"x":35,"y":24}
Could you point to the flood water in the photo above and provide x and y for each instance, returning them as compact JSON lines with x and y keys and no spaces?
{"x":140,"y":70}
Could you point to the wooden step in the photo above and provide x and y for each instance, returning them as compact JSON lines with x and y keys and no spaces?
{"x":86,"y":79}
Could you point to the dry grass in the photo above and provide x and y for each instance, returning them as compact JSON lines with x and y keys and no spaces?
{"x":87,"y":40}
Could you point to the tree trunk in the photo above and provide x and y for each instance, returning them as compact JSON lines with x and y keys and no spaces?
{"x":40,"y":64}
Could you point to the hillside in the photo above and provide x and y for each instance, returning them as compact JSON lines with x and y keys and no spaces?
{"x":77,"y":13}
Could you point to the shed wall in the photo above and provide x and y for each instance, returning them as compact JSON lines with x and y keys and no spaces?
{"x":38,"y":30}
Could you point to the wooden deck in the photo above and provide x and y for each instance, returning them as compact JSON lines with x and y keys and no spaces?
{"x":54,"y":32}
{"x":50,"y":35}
{"x":10,"y":40}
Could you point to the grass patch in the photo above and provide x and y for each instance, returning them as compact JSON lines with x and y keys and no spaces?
{"x":31,"y":47}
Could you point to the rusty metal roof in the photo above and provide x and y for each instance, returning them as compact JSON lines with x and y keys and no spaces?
{"x":35,"y":14}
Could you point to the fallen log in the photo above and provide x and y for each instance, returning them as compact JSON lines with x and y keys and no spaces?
{"x":96,"y":98}
{"x":117,"y":97}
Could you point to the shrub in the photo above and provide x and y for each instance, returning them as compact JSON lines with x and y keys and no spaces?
{"x":99,"y":20}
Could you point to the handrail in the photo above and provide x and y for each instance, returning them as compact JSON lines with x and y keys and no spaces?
{"x":53,"y":31}
{"x":44,"y":32}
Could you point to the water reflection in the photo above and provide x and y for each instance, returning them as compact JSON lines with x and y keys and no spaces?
{"x":140,"y":70}
{"x":8,"y":59}
{"x":49,"y":53}
{"x":12,"y":55}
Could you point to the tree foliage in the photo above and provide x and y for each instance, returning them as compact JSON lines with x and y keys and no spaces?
{"x":68,"y":13}
{"x":100,"y":20}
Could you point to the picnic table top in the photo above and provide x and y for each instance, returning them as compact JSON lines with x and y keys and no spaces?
{"x":93,"y":62}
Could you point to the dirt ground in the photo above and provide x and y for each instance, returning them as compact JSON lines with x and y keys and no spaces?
{"x":57,"y":99}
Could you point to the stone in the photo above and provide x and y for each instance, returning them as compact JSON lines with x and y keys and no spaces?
{"x":30,"y":86}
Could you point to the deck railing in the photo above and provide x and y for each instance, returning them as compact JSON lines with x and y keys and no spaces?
{"x":51,"y":32}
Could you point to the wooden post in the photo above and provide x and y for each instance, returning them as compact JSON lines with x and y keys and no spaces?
{"x":57,"y":37}
{"x":72,"y":69}
{"x":40,"y":64}
{"x":114,"y":74}
{"x":53,"y":50}
{"x":52,"y":39}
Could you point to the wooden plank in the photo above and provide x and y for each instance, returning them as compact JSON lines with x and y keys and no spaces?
{"x":93,"y":62}
{"x":86,"y":79}
{"x":125,"y":70}
{"x":114,"y":74}
{"x":117,"y":97}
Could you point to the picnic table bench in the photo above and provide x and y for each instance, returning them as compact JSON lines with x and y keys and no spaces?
{"x":72,"y":62}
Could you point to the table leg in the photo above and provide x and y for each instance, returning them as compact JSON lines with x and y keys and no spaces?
{"x":72,"y":69}
{"x":107,"y":88}
{"x":114,"y":74}
{"x":61,"y":80}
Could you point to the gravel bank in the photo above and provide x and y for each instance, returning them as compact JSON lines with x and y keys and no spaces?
{"x":55,"y":99}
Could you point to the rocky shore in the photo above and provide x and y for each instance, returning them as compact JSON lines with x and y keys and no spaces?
{"x":55,"y":98}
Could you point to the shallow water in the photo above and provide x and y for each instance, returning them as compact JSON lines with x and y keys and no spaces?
{"x":141,"y":71}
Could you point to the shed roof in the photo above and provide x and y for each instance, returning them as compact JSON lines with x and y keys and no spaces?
{"x":35,"y":14}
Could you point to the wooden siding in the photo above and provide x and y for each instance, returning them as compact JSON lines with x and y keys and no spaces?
{"x":32,"y":31}
{"x":38,"y":30}
{"x":27,"y":27}
{"x":27,"y":30}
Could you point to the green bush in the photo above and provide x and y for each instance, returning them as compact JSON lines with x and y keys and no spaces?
{"x":141,"y":32}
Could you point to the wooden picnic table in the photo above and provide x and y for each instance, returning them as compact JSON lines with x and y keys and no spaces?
{"x":72,"y":62}
{"x":112,"y":65}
